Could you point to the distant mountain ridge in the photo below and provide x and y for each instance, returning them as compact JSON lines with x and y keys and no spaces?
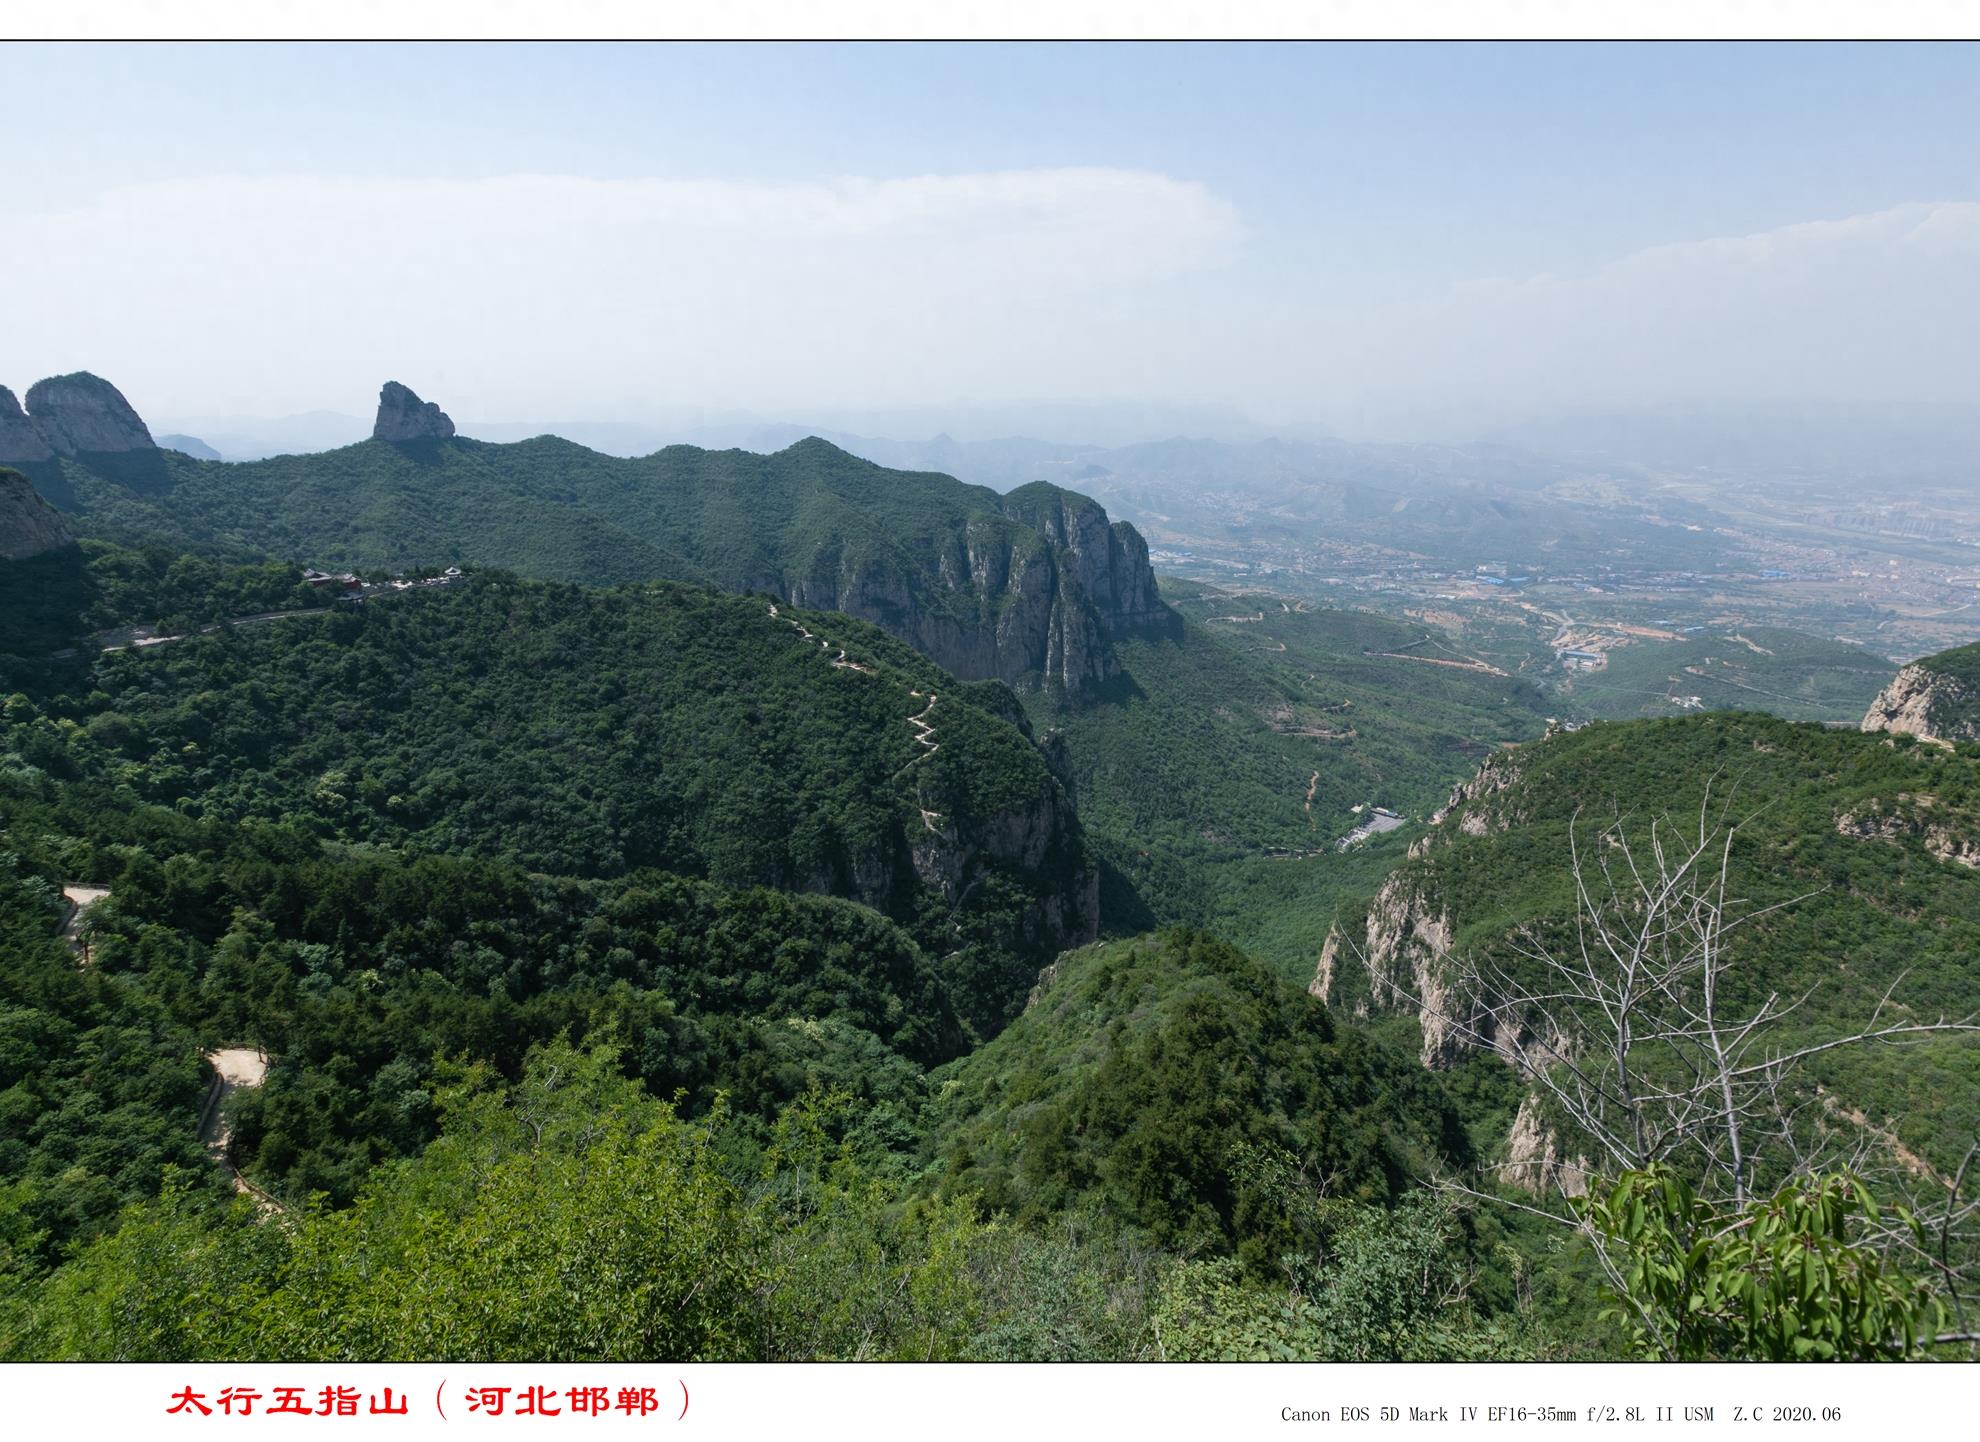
{"x":1031,"y":588}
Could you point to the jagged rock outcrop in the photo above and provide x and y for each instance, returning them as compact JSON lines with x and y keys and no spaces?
{"x":1533,"y":1157}
{"x":1500,"y":772}
{"x":66,"y":416}
{"x":403,"y":416}
{"x":1911,"y":817}
{"x":1405,"y":949}
{"x":1926,"y":701}
{"x":1107,"y":563}
{"x":81,"y":412}
{"x":21,"y":441}
{"x":28,"y":524}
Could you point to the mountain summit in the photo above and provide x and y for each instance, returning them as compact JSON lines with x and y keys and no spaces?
{"x":66,"y":416}
{"x":403,"y":416}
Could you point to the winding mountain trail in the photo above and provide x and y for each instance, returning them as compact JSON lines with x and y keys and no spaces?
{"x":1468,"y":664}
{"x":233,"y":1068}
{"x":127,"y":638}
{"x":81,"y":898}
{"x":924,"y":729}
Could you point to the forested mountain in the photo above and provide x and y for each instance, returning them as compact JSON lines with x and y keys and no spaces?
{"x":1937,"y":698}
{"x":1850,"y":876}
{"x":747,"y":927}
{"x":417,"y":850}
{"x":1031,"y":588}
{"x":595,"y":733}
{"x":1140,"y":1067}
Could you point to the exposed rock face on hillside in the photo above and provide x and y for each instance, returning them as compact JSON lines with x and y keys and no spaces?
{"x":1499,"y":772}
{"x":1533,"y":1157}
{"x":403,"y":416}
{"x":1907,"y":817}
{"x":65,"y":416}
{"x":1926,"y":702}
{"x":1033,"y":588}
{"x":1107,"y":563}
{"x":1036,"y":594}
{"x":82,"y":412}
{"x":1404,"y":948}
{"x":28,"y":524}
{"x":21,"y":441}
{"x":1042,"y":839}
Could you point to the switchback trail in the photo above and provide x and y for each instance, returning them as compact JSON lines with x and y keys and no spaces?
{"x":924,"y":729}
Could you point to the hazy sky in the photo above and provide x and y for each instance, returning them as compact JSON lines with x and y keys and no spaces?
{"x":1392,"y":240}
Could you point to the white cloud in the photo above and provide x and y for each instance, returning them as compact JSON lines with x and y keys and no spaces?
{"x":1873,"y":309}
{"x":553,"y":295}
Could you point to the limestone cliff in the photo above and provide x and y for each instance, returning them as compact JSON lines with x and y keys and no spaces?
{"x":1469,"y":800}
{"x":403,"y":416}
{"x":1913,"y":816}
{"x":81,"y":413}
{"x":28,"y":524}
{"x":1041,"y":839}
{"x":1033,"y":594}
{"x":1533,"y":1160}
{"x":67,"y":416}
{"x":1930,"y":700}
{"x":21,"y":441}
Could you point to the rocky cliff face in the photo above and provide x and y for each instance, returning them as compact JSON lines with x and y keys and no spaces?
{"x":21,"y":441}
{"x":1405,"y":951}
{"x":1403,"y":942}
{"x":1032,"y":596}
{"x":1533,"y":1157}
{"x":82,"y":412}
{"x":1500,"y":771}
{"x":403,"y":416}
{"x":28,"y":524}
{"x":1106,"y":563}
{"x":66,"y":416}
{"x":1042,"y":840}
{"x":1928,"y":703}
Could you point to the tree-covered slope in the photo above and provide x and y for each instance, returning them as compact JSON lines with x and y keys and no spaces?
{"x":371,"y":978}
{"x":594,"y":733}
{"x":1246,"y":746}
{"x":1164,"y":1080}
{"x":1866,"y":844}
{"x":1027,"y":588}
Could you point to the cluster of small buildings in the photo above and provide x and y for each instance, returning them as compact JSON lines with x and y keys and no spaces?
{"x":345,"y":589}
